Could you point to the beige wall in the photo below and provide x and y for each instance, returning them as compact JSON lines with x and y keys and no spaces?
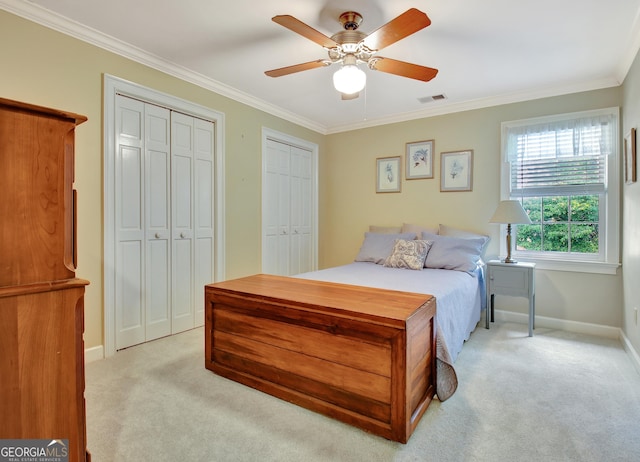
{"x":352,"y":203}
{"x":43,"y":67}
{"x":631,"y":215}
{"x":47,"y":68}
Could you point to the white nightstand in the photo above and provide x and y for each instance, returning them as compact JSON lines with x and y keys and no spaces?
{"x":515,"y":279}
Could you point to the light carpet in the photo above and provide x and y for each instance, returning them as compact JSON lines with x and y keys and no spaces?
{"x":557,"y":396}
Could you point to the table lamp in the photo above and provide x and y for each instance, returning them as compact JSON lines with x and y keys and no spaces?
{"x":509,"y":212}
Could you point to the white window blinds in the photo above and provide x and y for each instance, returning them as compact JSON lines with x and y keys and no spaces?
{"x":562,"y":156}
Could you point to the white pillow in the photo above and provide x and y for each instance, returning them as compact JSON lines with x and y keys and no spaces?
{"x":377,"y":247}
{"x":454,"y":253}
{"x":408,"y":254}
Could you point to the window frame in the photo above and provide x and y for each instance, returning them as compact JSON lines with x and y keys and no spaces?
{"x":608,"y":259}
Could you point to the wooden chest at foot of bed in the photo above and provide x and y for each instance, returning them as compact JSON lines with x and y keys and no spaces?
{"x":360,"y":355}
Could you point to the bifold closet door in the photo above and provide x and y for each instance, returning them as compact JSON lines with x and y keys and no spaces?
{"x":276,"y":204}
{"x":192,"y":218}
{"x":142,"y":223}
{"x":164,"y":221}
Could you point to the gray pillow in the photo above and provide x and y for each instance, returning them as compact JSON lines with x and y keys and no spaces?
{"x":454,"y":253}
{"x":444,"y":230}
{"x":377,"y":247}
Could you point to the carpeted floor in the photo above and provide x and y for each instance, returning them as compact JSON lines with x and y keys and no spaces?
{"x":557,"y":396}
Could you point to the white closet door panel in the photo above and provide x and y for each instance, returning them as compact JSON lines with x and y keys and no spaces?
{"x":305,"y":257}
{"x":203,"y":216}
{"x":300,"y":210}
{"x":284,"y":252}
{"x":270,"y":254}
{"x":181,"y":171}
{"x":294,"y":254}
{"x":130,"y":320}
{"x":182,"y":288}
{"x":158,"y":294}
{"x":182,"y":211}
{"x":203,"y":275}
{"x":158,"y":191}
{"x":130,"y":113}
{"x":157,"y":201}
{"x":129,"y":193}
{"x":275,"y":251}
{"x":270,"y":204}
{"x":129,"y":227}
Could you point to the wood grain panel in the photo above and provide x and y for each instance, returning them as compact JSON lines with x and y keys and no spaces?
{"x":355,"y":353}
{"x":43,"y":371}
{"x":333,"y":374}
{"x":251,"y":371}
{"x":36,"y":174}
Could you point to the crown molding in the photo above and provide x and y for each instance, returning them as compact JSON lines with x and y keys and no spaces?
{"x":450,"y":107}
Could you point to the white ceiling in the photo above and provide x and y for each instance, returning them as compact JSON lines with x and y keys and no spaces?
{"x":487,"y":52}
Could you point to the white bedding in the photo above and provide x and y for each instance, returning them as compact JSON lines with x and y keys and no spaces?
{"x":459,"y":295}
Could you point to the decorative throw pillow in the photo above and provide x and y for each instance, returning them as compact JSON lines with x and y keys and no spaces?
{"x":377,"y":247}
{"x":454,"y":253}
{"x":408,"y":254}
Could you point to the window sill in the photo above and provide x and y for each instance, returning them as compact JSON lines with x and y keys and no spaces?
{"x":574,"y":266}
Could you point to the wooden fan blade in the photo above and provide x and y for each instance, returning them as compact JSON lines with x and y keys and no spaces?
{"x":297,"y":68}
{"x":412,"y":71}
{"x":407,"y":23}
{"x":301,"y":28}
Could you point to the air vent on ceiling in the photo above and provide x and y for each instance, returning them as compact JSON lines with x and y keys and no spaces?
{"x":428,"y":99}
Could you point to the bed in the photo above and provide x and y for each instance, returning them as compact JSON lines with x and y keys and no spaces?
{"x":459,"y":295}
{"x":369,"y":343}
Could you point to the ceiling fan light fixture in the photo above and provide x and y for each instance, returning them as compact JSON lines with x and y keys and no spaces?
{"x":349,"y":79}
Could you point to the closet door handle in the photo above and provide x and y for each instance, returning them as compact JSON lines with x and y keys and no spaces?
{"x":157,"y":235}
{"x":182,"y":235}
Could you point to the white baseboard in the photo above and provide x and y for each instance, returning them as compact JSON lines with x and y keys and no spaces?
{"x":633,"y":354}
{"x":560,"y":324}
{"x":574,"y":326}
{"x":93,"y":354}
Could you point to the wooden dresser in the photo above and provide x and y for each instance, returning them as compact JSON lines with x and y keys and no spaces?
{"x":41,"y":300}
{"x":361,"y":355}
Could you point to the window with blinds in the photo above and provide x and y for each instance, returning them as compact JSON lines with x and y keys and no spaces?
{"x":559,"y":168}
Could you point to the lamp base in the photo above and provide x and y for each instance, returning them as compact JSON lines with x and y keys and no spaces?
{"x":509,"y":260}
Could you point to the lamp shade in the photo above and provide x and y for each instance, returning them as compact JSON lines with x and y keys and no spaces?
{"x":349,"y":79}
{"x":510,"y":212}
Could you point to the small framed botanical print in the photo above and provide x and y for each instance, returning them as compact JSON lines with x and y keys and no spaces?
{"x":388,"y":174}
{"x":419,"y":160}
{"x":456,"y":171}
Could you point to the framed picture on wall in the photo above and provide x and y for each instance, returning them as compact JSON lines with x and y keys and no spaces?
{"x":456,"y":171}
{"x":388,"y":174}
{"x":419,"y":160}
{"x":630,"y":157}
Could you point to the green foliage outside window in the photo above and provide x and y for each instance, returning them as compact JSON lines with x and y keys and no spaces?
{"x":560,"y":224}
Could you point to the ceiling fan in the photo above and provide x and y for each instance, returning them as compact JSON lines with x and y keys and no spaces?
{"x":351,"y":47}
